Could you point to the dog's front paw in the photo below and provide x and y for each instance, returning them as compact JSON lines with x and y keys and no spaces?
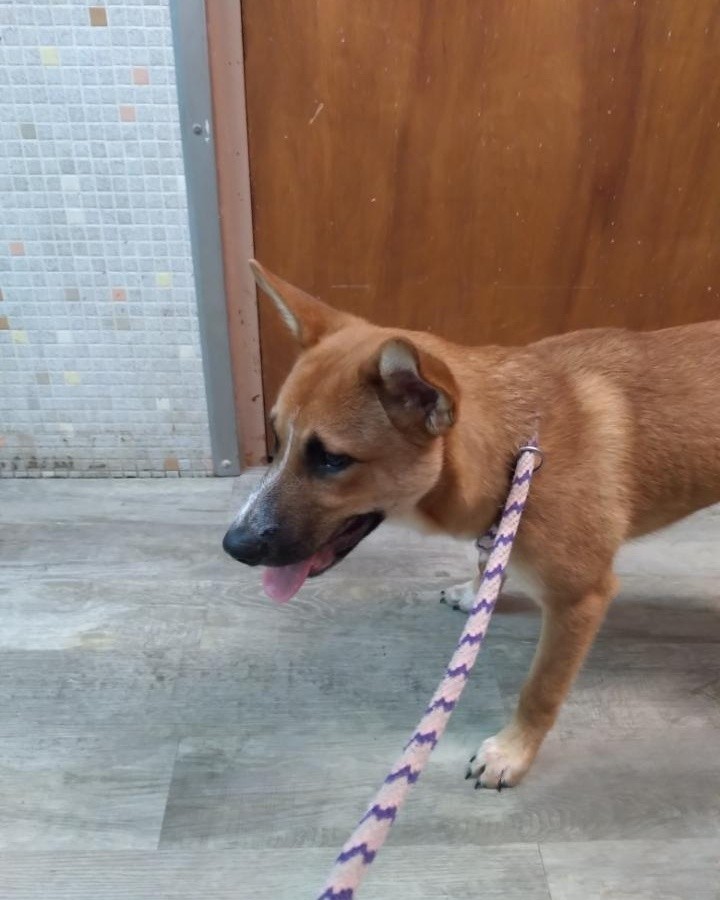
{"x":460,"y":596}
{"x":503,"y":759}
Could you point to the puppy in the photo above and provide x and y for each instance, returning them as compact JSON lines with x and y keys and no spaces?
{"x":375,"y":422}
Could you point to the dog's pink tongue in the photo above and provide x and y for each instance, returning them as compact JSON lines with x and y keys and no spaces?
{"x":283,"y":582}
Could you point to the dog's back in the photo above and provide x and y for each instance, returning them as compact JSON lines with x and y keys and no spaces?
{"x":669,"y":383}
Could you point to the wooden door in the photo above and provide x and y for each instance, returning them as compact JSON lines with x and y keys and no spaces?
{"x":490,"y":170}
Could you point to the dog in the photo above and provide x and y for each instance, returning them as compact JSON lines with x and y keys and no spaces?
{"x":383,"y":422}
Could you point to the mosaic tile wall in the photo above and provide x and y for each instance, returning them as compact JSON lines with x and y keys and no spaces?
{"x":100,"y":368}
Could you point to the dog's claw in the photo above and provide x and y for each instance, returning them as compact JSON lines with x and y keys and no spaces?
{"x":471,"y":774}
{"x":469,"y":771}
{"x":501,"y":783}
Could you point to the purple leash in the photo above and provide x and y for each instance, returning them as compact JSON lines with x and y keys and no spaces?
{"x":364,"y":843}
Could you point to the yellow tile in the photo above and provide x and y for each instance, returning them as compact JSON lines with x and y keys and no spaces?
{"x":71,"y":378}
{"x":49,"y":56}
{"x":19,"y":337}
{"x":163,"y":279}
{"x":4,"y":325}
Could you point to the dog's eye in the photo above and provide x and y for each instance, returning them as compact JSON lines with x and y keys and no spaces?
{"x":321,"y":461}
{"x":336,"y":461}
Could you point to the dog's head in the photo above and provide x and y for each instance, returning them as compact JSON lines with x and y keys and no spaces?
{"x":359,"y":426}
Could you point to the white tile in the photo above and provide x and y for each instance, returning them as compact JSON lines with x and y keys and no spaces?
{"x":68,"y":195}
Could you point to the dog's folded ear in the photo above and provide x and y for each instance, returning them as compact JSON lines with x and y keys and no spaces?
{"x":307,"y":318}
{"x":417,"y":389}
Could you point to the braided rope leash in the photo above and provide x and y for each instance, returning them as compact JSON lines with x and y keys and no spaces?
{"x":364,"y":843}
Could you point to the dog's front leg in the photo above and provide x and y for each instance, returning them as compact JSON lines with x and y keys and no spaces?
{"x":463,"y":596}
{"x":568,"y":629}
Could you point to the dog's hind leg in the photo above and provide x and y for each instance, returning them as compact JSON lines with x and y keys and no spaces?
{"x":568,"y":630}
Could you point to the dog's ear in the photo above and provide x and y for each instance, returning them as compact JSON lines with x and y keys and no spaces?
{"x":307,"y":318}
{"x":416,"y":388}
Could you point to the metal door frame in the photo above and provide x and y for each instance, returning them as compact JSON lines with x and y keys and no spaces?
{"x":233,"y":446}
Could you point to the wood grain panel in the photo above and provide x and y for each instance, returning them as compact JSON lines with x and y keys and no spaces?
{"x":489,"y":170}
{"x":225,"y":42}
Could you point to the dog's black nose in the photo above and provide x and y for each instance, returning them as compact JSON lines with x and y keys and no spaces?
{"x":246,"y":545}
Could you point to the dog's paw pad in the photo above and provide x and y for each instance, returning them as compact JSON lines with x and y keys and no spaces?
{"x":501,"y":761}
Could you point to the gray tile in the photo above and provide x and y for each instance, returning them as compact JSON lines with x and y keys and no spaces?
{"x":423,"y":873}
{"x":675,"y":869}
{"x":116,"y":549}
{"x":375,"y":650}
{"x":627,"y":683}
{"x":337,"y":682}
{"x":86,"y":687}
{"x":28,"y":131}
{"x":61,"y":789}
{"x":307,"y":784}
{"x":103,"y":615}
{"x":126,"y":637}
{"x":669,"y":559}
{"x":601,"y":786}
{"x":200,"y":501}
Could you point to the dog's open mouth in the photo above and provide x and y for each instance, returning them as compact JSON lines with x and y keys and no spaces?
{"x":283,"y":582}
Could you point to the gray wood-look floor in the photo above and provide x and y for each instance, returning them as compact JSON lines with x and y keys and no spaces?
{"x":166,"y":732}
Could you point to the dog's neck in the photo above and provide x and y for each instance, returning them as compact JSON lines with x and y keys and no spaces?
{"x":480,"y":449}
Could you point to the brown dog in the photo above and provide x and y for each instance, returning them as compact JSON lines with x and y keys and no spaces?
{"x":376,"y":422}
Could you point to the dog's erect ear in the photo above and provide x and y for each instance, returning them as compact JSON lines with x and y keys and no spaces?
{"x":416,"y":388}
{"x":307,"y":318}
